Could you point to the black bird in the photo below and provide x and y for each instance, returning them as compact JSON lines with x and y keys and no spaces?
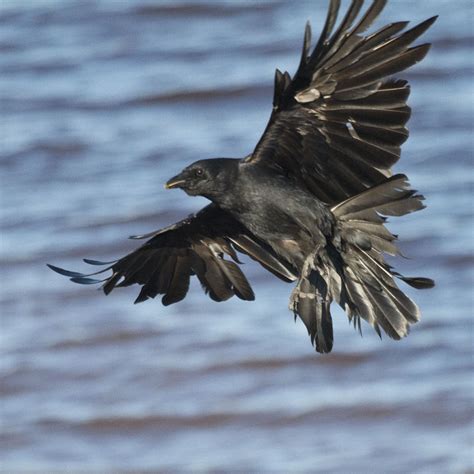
{"x":310,"y":202}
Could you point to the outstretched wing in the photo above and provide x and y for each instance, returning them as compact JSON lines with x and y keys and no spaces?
{"x":195,"y":246}
{"x":338,"y":125}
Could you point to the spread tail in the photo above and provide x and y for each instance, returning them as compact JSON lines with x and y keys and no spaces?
{"x":352,"y":270}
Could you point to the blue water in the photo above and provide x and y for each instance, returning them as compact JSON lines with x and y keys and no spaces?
{"x":101,"y":102}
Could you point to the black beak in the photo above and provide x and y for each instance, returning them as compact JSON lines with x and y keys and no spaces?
{"x":175,"y":182}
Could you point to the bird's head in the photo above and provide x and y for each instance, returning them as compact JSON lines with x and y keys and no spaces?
{"x":208,"y":178}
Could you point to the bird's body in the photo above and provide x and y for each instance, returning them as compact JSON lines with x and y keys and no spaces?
{"x":276,"y":210}
{"x":310,"y":202}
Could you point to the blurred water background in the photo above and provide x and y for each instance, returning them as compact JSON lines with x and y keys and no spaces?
{"x":101,"y":102}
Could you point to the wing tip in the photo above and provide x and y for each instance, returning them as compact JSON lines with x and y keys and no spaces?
{"x":64,"y":272}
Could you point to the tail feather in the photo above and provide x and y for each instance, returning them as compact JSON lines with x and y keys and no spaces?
{"x":405,"y":304}
{"x":358,"y":305}
{"x":419,"y":283}
{"x":393,"y":197}
{"x":369,"y":280}
{"x":387,"y":315}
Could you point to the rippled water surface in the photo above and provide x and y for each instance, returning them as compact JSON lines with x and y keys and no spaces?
{"x":104,"y":100}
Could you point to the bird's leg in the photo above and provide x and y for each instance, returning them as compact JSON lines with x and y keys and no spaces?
{"x":308,"y":266}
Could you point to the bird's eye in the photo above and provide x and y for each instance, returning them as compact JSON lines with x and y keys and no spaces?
{"x":198,"y":172}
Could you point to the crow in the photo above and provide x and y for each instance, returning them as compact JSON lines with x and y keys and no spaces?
{"x":310,"y":202}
